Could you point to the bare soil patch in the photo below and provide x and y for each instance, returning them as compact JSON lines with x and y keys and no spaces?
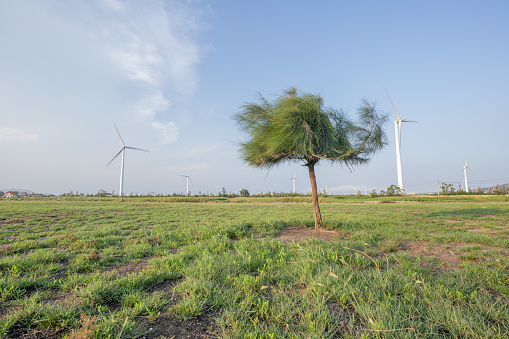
{"x":129,"y":268}
{"x":301,"y":233}
{"x":166,"y":326}
{"x":34,"y":333}
{"x":447,"y":257}
{"x":8,"y":307}
{"x":63,"y":298}
{"x":343,"y":317}
{"x":165,"y":287}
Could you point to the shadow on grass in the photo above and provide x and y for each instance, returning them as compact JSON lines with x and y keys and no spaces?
{"x":470,"y":213}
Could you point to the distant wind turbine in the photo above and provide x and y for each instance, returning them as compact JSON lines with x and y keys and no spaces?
{"x":397,"y":125}
{"x":188,"y":177}
{"x":122,"y":150}
{"x":465,"y":173}
{"x":294,"y":178}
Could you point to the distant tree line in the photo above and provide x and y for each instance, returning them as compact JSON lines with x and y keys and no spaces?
{"x":391,"y":191}
{"x":221,"y":194}
{"x":449,"y":189}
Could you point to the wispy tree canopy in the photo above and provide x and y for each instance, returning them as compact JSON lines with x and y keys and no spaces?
{"x":298,"y":126}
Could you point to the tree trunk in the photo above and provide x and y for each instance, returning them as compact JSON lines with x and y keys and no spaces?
{"x":314,"y":190}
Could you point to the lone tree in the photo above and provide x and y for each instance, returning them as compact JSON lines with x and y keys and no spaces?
{"x":296,"y":126}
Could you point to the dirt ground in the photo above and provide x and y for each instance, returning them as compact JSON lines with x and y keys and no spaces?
{"x":168,"y":327}
{"x":301,"y":233}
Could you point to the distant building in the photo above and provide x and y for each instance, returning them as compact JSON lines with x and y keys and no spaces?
{"x":11,"y":194}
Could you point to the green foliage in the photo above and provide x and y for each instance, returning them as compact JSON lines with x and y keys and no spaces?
{"x":298,"y":126}
{"x":447,"y":188}
{"x":244,"y":193}
{"x":393,"y":190}
{"x":500,"y":189}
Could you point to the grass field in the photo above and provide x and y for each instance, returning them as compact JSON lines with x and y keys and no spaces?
{"x":254,"y":268}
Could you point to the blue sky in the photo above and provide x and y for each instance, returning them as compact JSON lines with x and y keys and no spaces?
{"x":171,"y":74}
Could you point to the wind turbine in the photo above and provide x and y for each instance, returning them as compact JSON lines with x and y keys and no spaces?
{"x":397,"y":126}
{"x":122,"y":150}
{"x":188,"y":177}
{"x":465,"y":173}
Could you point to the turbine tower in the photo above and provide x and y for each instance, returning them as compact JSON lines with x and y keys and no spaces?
{"x":397,"y":126}
{"x":465,"y":173}
{"x":122,"y":150}
{"x":188,"y":177}
{"x":294,"y":178}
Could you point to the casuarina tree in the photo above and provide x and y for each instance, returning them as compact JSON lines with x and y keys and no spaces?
{"x":297,"y":126}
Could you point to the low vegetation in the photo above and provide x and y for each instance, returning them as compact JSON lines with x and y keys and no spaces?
{"x":412,"y":267}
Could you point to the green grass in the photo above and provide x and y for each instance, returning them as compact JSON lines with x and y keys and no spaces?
{"x":423,"y":267}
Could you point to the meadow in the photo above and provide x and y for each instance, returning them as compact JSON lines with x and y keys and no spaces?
{"x":409,"y":267}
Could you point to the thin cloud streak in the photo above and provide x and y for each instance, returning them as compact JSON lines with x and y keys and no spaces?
{"x":14,"y":134}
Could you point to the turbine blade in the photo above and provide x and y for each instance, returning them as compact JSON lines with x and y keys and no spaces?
{"x":399,"y":118}
{"x":122,"y":141}
{"x":408,"y":121}
{"x":138,"y":149}
{"x":115,"y":156}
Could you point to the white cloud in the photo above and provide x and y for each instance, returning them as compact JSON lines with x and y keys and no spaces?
{"x":153,"y":45}
{"x":168,"y":131}
{"x":147,"y":109}
{"x":139,"y":61}
{"x":14,"y":134}
{"x":148,"y":106}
